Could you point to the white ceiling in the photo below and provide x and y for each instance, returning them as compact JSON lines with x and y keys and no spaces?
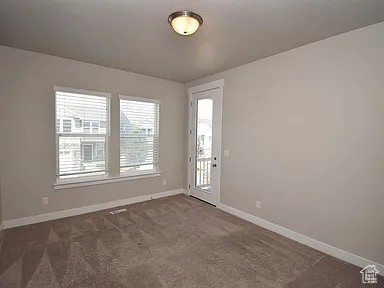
{"x":134,"y":35}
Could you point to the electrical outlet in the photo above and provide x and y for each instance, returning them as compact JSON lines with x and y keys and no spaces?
{"x":226,"y":153}
{"x":258,"y":205}
{"x":164,"y":181}
{"x":45,"y":200}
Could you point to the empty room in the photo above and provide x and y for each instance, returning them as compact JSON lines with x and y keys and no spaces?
{"x":225,"y":144}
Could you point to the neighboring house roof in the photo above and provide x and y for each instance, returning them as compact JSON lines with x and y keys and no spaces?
{"x":125,"y":124}
{"x":78,"y":112}
{"x":63,"y":111}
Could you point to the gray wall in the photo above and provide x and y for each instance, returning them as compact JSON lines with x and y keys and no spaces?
{"x":27,"y":126}
{"x":1,"y":160}
{"x":305,"y":130}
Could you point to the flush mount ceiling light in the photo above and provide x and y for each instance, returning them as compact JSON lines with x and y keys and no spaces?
{"x":185,"y":22}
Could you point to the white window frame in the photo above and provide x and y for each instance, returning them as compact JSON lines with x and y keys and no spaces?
{"x":80,"y":179}
{"x":59,"y":184}
{"x":156,"y":169}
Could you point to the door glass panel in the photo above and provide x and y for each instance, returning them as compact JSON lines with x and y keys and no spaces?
{"x":203,"y":144}
{"x":88,"y":153}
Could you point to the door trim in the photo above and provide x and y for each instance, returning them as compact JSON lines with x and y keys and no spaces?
{"x":206,"y":86}
{"x":218,"y":84}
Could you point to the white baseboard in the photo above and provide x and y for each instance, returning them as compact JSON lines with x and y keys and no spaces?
{"x":323,"y":247}
{"x":87,"y":209}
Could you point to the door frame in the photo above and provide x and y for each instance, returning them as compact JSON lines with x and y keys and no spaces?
{"x":218,"y":84}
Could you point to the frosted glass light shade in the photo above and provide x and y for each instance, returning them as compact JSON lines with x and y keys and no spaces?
{"x":185,"y":22}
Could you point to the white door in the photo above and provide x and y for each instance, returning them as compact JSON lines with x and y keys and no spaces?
{"x":205,"y":141}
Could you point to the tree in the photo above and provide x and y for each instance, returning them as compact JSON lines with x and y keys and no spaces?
{"x":199,"y":149}
{"x":135,"y":147}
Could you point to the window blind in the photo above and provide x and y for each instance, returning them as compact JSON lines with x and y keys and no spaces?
{"x":81,"y":142}
{"x":139,"y":134}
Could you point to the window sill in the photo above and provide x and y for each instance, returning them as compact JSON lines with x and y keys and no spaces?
{"x":74,"y":183}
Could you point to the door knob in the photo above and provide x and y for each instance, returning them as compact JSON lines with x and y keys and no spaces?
{"x":214,"y":165}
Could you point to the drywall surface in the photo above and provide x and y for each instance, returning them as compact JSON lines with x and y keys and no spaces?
{"x":305,"y":130}
{"x":28,"y":140}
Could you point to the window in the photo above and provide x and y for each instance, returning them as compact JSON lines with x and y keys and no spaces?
{"x":95,"y":127}
{"x":82,"y":137}
{"x":87,"y":126}
{"x":80,"y":150}
{"x":139,"y":134}
{"x":67,"y":126}
{"x":78,"y":123}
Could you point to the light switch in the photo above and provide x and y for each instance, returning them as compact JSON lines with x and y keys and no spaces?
{"x":226,"y":153}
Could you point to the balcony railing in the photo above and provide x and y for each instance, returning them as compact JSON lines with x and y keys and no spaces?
{"x":203,"y":173}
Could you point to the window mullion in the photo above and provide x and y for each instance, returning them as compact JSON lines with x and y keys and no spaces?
{"x":114,"y":141}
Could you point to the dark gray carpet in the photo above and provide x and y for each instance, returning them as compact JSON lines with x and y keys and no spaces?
{"x":170,"y":242}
